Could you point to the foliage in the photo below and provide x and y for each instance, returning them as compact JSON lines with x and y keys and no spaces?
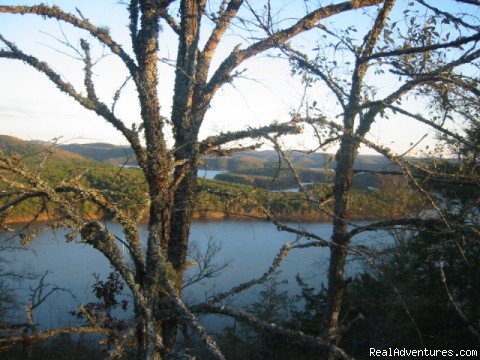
{"x":102,"y":311}
{"x":417,"y":313}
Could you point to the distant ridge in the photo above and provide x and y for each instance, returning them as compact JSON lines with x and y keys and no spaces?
{"x":118,"y":154}
{"x":103,"y":152}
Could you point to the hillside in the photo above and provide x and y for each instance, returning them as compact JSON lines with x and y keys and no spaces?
{"x":34,"y":149}
{"x":102,"y":152}
{"x":254,"y":168}
{"x":112,"y":181}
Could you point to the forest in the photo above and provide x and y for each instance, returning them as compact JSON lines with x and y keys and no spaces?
{"x":353,"y":188}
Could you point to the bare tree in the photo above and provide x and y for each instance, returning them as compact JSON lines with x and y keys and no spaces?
{"x":431,"y":53}
{"x":155,"y":279}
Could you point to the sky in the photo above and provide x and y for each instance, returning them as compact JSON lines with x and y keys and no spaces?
{"x":32,"y":108}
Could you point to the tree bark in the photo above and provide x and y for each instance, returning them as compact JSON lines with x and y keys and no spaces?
{"x":183,"y":190}
{"x":336,"y":283}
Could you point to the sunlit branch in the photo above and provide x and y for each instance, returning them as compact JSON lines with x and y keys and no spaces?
{"x":88,"y":81}
{"x":191,"y":320}
{"x":41,"y":190}
{"x":219,"y":151}
{"x":224,"y":71}
{"x":361,"y":68}
{"x":37,"y":337}
{"x":215,"y":141}
{"x":170,"y":20}
{"x":420,"y":49}
{"x":117,"y":94}
{"x":373,"y":35}
{"x":246,"y":285}
{"x":222,"y":24}
{"x":104,"y":241}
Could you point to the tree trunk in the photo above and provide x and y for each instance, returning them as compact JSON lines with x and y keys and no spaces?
{"x":186,"y":127}
{"x":146,"y":349}
{"x":336,"y":283}
{"x":181,"y":220}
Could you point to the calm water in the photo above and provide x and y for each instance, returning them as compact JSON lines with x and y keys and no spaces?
{"x":203,"y":173}
{"x":209,"y":174}
{"x":248,"y":247}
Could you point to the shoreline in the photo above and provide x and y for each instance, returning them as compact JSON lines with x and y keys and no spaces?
{"x":203,"y":216}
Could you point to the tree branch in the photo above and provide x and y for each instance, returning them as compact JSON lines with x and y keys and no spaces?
{"x":455,"y":305}
{"x":90,"y":102}
{"x":295,"y":338}
{"x":93,"y":232}
{"x":133,"y":9}
{"x":421,"y":49}
{"x":285,"y":249}
{"x":430,"y":224}
{"x":308,"y":22}
{"x":103,"y":240}
{"x":190,"y":319}
{"x":219,"y":151}
{"x":373,"y":35}
{"x":88,"y":81}
{"x":303,"y":62}
{"x":222,"y":24}
{"x":99,"y":33}
{"x":35,"y":338}
{"x":430,"y":123}
{"x":174,"y":25}
{"x":449,"y":16}
{"x":215,"y":141}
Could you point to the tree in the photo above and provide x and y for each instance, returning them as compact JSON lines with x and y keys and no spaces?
{"x":415,"y":48}
{"x":416,"y":292}
{"x":427,"y":55}
{"x":156,"y":277}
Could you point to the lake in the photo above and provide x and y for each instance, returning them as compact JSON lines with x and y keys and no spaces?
{"x":248,"y":246}
{"x":209,"y":174}
{"x":201,"y":173}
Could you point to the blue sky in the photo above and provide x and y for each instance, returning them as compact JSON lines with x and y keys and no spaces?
{"x":32,"y":108}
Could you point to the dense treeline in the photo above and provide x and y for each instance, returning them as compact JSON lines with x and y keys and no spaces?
{"x":274,"y":178}
{"x":217,"y":199}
